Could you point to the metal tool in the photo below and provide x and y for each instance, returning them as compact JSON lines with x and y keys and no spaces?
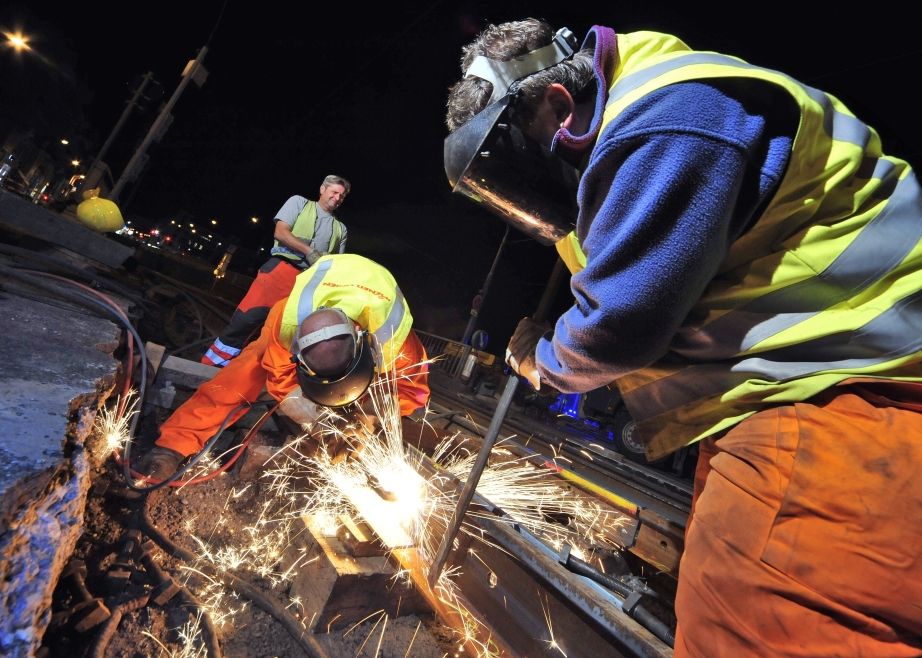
{"x":464,"y":501}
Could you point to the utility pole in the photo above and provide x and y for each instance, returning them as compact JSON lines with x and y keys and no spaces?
{"x":121,"y":122}
{"x":194,"y":72}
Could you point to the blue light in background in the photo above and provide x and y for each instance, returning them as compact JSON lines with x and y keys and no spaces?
{"x":567,"y":404}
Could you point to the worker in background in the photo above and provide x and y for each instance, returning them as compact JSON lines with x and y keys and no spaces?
{"x":747,"y":271}
{"x":304,"y":231}
{"x":344,"y":321}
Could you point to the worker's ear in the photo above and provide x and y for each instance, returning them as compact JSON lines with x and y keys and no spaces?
{"x":560,"y":102}
{"x":322,"y":188}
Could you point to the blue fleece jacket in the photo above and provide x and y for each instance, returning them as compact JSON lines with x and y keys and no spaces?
{"x":670,"y":184}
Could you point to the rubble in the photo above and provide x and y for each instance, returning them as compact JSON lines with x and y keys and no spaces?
{"x":53,"y":378}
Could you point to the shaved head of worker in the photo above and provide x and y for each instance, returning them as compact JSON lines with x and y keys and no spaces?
{"x":747,"y":271}
{"x":331,"y":356}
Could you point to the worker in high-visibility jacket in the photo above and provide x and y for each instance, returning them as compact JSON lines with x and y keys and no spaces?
{"x":345,"y":322}
{"x":305,"y":230}
{"x":748,"y":271}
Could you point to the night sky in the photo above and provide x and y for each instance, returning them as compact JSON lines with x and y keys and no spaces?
{"x":299,"y":91}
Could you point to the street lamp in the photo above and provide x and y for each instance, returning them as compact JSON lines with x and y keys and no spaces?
{"x":255,"y":220}
{"x":76,"y":163}
{"x":65,"y":142}
{"x":214,"y":221}
{"x":17,"y":41}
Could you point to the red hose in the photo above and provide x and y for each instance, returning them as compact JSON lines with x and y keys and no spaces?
{"x":214,"y":473}
{"x":124,"y":399}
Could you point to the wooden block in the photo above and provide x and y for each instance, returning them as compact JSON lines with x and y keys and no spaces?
{"x":155,"y":354}
{"x":337,"y":590}
{"x":185,"y":373}
{"x":358,"y":538}
{"x":258,"y":456}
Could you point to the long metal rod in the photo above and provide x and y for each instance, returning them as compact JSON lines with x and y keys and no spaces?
{"x":464,"y":500}
{"x":469,"y":330}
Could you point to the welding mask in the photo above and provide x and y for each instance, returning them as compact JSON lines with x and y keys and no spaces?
{"x":491,"y":161}
{"x":347,"y":386}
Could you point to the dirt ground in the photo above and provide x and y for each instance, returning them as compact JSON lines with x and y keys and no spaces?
{"x":215,"y":511}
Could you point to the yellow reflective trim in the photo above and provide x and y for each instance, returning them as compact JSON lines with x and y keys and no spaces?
{"x":362,"y":289}
{"x":571,"y":253}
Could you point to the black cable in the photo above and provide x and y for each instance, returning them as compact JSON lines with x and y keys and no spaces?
{"x":301,"y":635}
{"x":126,"y":466}
{"x":63,"y":264}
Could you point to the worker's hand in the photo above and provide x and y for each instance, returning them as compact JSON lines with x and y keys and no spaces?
{"x":344,"y":435}
{"x":300,"y":409}
{"x":520,"y":355}
{"x":314,"y":255}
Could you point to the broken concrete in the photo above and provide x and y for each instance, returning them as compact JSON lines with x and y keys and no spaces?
{"x":53,"y":378}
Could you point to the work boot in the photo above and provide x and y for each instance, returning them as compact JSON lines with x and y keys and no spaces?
{"x":160,"y":463}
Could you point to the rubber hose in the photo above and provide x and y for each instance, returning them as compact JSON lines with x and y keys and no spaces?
{"x":208,"y":632}
{"x":581,"y":568}
{"x":178,"y":284}
{"x":300,"y":634}
{"x":108,"y":629}
{"x":195,"y":308}
{"x":105,"y":283}
{"x":653,"y":624}
{"x":197,"y":343}
{"x":643,"y":616}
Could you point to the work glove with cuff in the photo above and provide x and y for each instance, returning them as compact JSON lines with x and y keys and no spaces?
{"x":301,"y":410}
{"x":520,"y":355}
{"x":313,"y":256}
{"x":345,"y":434}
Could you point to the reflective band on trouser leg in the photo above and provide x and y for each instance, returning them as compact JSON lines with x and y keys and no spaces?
{"x":196,"y":421}
{"x":807,"y":537}
{"x":273,"y":283}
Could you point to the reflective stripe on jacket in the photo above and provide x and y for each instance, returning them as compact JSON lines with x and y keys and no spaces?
{"x":823,"y":287}
{"x":303,"y":229}
{"x":362,"y":289}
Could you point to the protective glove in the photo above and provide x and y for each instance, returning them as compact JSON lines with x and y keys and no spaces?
{"x":314,"y":255}
{"x":520,"y":355}
{"x":300,"y":409}
{"x":345,"y":434}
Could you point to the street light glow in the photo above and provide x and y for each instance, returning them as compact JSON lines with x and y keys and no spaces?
{"x":18,"y":41}
{"x":76,"y":163}
{"x":65,"y":142}
{"x":255,"y":220}
{"x":214,"y":221}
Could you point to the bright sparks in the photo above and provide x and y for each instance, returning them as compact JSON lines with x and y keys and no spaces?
{"x":112,"y":424}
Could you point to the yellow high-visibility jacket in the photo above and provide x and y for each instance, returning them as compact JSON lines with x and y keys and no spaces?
{"x":823,"y":287}
{"x":363,"y":290}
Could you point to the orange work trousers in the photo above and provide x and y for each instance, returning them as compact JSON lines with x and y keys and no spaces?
{"x":806,"y":532}
{"x":273,"y":283}
{"x":266,"y":362}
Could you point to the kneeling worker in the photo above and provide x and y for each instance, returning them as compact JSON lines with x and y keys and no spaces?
{"x":344,"y":321}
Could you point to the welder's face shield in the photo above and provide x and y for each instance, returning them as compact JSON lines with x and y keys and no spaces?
{"x":491,"y":161}
{"x":348,"y":386}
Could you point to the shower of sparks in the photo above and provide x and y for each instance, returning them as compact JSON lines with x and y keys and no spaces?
{"x":552,"y":643}
{"x":190,"y":637}
{"x":309,"y":483}
{"x":112,"y":426}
